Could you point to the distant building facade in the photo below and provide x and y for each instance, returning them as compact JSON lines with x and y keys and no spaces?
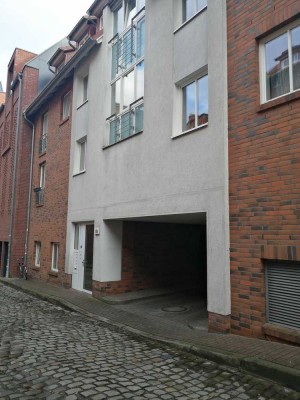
{"x":27,"y":75}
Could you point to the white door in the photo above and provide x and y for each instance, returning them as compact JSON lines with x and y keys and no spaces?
{"x":78,"y":257}
{"x":83,"y":257}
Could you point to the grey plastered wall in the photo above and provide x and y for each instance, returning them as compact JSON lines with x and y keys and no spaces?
{"x":153,"y":173}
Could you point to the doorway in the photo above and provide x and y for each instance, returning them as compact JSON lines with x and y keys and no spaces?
{"x":82,"y":277}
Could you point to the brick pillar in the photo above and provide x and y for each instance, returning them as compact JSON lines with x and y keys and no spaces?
{"x":218,"y":323}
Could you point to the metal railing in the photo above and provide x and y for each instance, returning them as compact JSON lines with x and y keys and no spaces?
{"x":128,"y":47}
{"x":39,"y":196}
{"x":43,"y":144}
{"x":127,"y":124}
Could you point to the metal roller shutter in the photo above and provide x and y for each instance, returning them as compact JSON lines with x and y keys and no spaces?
{"x":283,"y":293}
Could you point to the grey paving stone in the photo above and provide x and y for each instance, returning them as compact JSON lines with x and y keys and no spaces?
{"x":59,"y":354}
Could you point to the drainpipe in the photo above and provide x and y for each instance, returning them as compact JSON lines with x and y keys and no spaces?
{"x":29,"y":188}
{"x":20,"y":76}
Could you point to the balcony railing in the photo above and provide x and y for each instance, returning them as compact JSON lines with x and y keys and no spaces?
{"x":128,"y":47}
{"x":127,"y":124}
{"x":39,"y":196}
{"x":43,"y":144}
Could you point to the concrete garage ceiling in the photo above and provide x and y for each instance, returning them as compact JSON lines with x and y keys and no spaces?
{"x":192,"y":218}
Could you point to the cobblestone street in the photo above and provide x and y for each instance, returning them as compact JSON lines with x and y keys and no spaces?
{"x":49,"y":353}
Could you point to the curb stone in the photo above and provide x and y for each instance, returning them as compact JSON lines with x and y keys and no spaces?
{"x":277,"y":373}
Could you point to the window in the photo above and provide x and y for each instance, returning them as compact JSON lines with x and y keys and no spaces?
{"x":54,"y":264}
{"x":195,"y":104}
{"x":191,"y":7}
{"x":44,"y":136}
{"x":66,"y":105}
{"x":282,"y":291}
{"x":124,"y":14}
{"x":280,"y":63}
{"x":37,"y":261}
{"x":39,"y":191}
{"x":80,"y":153}
{"x":127,"y":85}
{"x":42,"y":175}
{"x":85,"y":88}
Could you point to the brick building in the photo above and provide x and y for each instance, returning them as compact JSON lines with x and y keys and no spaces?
{"x":51,"y":115}
{"x":264,"y":166}
{"x":27,"y":75}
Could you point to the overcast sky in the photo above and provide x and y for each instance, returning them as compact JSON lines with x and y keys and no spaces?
{"x":35,"y":25}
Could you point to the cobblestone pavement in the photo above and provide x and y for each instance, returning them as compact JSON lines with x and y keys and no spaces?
{"x":50,"y":353}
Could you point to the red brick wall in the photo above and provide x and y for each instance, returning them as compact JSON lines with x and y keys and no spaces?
{"x":159,"y":255}
{"x":264,"y":164}
{"x":8,"y":127}
{"x":48,"y":222}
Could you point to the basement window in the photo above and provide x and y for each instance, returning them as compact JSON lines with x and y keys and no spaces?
{"x":282,"y":293}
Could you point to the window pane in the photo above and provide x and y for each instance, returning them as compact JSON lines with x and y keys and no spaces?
{"x":42,"y":176}
{"x":189,"y":107}
{"x":37,"y":253}
{"x":55,"y":256}
{"x":139,"y":118}
{"x":118,"y":20}
{"x":189,"y":9}
{"x":277,"y":67}
{"x":140,"y":38}
{"x":202,"y":101}
{"x":140,"y":80}
{"x":85,"y":88}
{"x":45,"y":124}
{"x":116,"y":97}
{"x":128,"y":90}
{"x":296,"y":56}
{"x":76,"y":237}
{"x":114,"y":131}
{"x":201,"y":4}
{"x":66,"y":106}
{"x":128,"y":47}
{"x":131,"y":11}
{"x":126,"y":125}
{"x":115,"y":59}
{"x":82,"y":156}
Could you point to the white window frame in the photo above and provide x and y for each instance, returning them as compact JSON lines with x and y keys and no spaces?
{"x":45,"y":125}
{"x":186,"y":83}
{"x":81,"y":144}
{"x":262,"y":61}
{"x":184,"y":19}
{"x":140,"y":4}
{"x":42,"y":175}
{"x":120,"y":76}
{"x":37,"y":260}
{"x":85,"y":85}
{"x":55,"y":253}
{"x":66,"y":105}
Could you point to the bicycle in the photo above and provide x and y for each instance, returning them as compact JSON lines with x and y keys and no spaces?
{"x":22,"y":268}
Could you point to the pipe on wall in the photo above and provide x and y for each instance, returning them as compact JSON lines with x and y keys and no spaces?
{"x":29,"y":187}
{"x":20,"y":76}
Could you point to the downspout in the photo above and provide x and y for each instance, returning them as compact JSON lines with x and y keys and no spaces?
{"x":20,"y":76}
{"x":29,"y":188}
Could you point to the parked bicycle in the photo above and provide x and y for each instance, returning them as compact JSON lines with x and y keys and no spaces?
{"x":23,"y":271}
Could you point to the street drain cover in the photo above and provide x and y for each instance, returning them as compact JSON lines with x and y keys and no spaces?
{"x":175,"y":309}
